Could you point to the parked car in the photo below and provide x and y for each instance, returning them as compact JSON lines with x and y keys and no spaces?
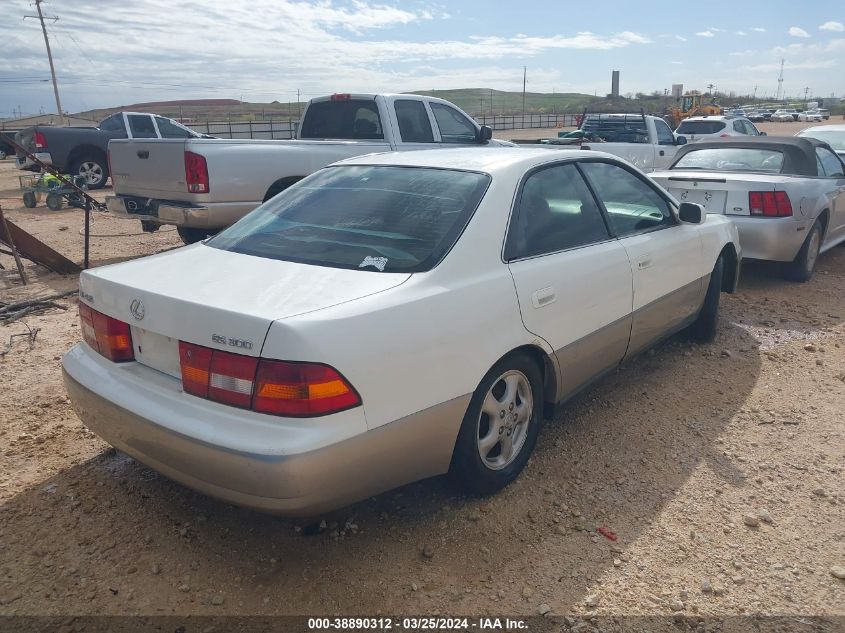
{"x":642,"y":140}
{"x":6,"y":148}
{"x":833,"y":135}
{"x":785,"y":194}
{"x":783,"y":116}
{"x":825,"y":113}
{"x":82,"y":151}
{"x":202,"y":185}
{"x":810,"y":115}
{"x":392,"y":317}
{"x":757,"y":116}
{"x":709,"y":127}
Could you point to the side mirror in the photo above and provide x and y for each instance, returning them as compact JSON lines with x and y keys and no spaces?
{"x":763,"y":134}
{"x":485,"y":133}
{"x":681,"y":140}
{"x":691,"y":213}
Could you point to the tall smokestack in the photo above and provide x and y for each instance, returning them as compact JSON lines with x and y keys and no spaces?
{"x":614,"y":84}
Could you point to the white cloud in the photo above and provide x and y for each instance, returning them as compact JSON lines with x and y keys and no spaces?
{"x":832,"y":26}
{"x":795,"y":31}
{"x":677,"y":63}
{"x":759,"y":29}
{"x":704,"y":34}
{"x":809,"y":64}
{"x":740,"y":32}
{"x":746,"y":53}
{"x":680,"y":38}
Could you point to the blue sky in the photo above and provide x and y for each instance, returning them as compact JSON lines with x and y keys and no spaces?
{"x":264,"y":50}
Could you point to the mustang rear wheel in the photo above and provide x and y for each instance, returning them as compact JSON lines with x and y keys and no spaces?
{"x":500,"y":426}
{"x":802,"y":267}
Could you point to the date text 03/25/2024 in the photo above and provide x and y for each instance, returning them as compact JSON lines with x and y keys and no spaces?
{"x":417,"y":624}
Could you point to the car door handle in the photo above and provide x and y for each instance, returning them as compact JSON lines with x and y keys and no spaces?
{"x":644,"y":262}
{"x":543,"y":297}
{"x":142,"y":153}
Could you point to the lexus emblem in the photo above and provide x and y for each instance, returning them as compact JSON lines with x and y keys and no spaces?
{"x":136,"y":308}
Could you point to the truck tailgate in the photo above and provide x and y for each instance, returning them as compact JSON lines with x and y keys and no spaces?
{"x":153,"y":168}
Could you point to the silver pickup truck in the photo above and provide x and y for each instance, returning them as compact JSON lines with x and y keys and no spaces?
{"x":204,"y":185}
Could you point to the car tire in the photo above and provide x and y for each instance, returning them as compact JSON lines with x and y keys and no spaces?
{"x":801,"y":268}
{"x":54,"y":201}
{"x":29,"y":200}
{"x":704,"y":328}
{"x":93,"y":168}
{"x":192,"y":236}
{"x":2,"y":154}
{"x":500,"y":427}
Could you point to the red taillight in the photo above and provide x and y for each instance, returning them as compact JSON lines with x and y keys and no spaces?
{"x":196,"y":173}
{"x":267,"y":386}
{"x":301,"y":389}
{"x":341,"y":96}
{"x":110,"y":337}
{"x":771,"y":204}
{"x":40,"y":140}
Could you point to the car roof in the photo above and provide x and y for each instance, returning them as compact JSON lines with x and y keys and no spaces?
{"x":799,"y":151}
{"x":484,"y":159}
{"x":840,"y":127}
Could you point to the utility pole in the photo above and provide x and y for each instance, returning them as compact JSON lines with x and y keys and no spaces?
{"x":806,"y":90}
{"x":298,"y":111}
{"x":40,"y":16}
{"x":780,"y":81}
{"x":524,"y":76}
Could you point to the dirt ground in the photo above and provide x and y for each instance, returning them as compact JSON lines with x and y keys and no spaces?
{"x":719,"y":468}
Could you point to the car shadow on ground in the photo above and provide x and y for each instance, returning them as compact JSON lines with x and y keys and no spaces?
{"x":110,"y":536}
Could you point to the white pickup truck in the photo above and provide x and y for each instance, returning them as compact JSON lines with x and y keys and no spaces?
{"x":645,"y":141}
{"x":204,"y":185}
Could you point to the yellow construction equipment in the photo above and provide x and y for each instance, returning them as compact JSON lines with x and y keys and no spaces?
{"x":690,"y":104}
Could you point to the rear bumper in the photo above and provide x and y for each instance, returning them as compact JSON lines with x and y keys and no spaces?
{"x":286,"y":467}
{"x":24,"y":162}
{"x":212,"y":215}
{"x":774,"y":239}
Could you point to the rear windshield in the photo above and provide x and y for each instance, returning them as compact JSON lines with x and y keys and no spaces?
{"x":700,"y":127}
{"x":616,"y":130}
{"x":377,"y":218}
{"x":834,"y":138}
{"x":350,"y":119}
{"x":732,"y":159}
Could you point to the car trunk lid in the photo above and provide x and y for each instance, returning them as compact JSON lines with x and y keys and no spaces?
{"x":725,"y":193}
{"x":215,"y":298}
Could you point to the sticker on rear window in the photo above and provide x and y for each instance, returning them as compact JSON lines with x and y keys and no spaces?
{"x":376,"y":262}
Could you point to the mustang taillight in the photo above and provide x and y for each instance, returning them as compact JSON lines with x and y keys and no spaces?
{"x":110,"y":337}
{"x":771,"y":204}
{"x":196,"y":173}
{"x":291,"y":389}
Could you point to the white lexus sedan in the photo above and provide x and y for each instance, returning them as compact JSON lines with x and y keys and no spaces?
{"x":390,"y":318}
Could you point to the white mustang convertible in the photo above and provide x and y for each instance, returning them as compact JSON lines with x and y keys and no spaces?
{"x":390,"y":318}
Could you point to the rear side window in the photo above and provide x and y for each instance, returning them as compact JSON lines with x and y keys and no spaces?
{"x":732,"y":159}
{"x":700,"y":127}
{"x":830,"y":163}
{"x":169,"y":129}
{"x":414,"y":124}
{"x":632,"y":205}
{"x":350,"y":119}
{"x":141,"y":126}
{"x":376,"y":218}
{"x":454,"y":126}
{"x":556,"y":211}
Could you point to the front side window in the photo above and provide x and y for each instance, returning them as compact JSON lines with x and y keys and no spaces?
{"x":732,"y":159}
{"x":556,"y":211}
{"x":113,"y":123}
{"x":633,"y":206}
{"x":414,"y":124}
{"x":170,"y":129}
{"x":664,"y":133}
{"x":141,"y":126}
{"x":376,"y":218}
{"x":454,"y":126}
{"x":830,"y":162}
